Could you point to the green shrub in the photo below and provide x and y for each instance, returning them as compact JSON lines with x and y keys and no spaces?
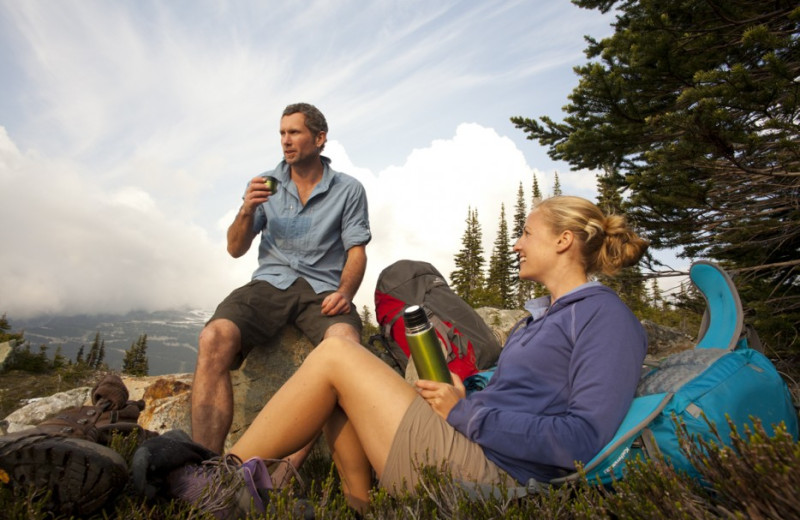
{"x":757,"y":476}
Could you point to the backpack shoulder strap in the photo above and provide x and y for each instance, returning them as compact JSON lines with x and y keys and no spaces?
{"x":723,"y":320}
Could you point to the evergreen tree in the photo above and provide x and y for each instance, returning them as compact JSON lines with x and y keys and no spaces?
{"x":93,"y":360}
{"x":79,"y":356}
{"x":5,"y":334}
{"x":524,"y":287}
{"x":59,"y":361}
{"x":501,"y":282}
{"x":135,"y":361}
{"x":695,"y":103}
{"x":556,"y":185}
{"x":101,"y":355}
{"x":628,"y":283}
{"x":536,"y":192}
{"x":368,"y":327}
{"x":609,"y":187}
{"x":536,"y":289}
{"x":658,"y":299}
{"x":467,"y":280}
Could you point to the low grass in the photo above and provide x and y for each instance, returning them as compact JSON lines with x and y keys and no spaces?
{"x":756,"y":477}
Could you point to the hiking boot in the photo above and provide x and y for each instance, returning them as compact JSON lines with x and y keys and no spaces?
{"x":158,"y":456}
{"x":224,"y":486}
{"x":79,"y":474}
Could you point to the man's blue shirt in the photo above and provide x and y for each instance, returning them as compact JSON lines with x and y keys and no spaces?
{"x":310,"y":241}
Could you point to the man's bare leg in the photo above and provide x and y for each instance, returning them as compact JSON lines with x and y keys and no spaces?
{"x":212,"y":392}
{"x":297,"y":458}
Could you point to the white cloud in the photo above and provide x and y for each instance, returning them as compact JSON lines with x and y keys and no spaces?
{"x":418,"y":210}
{"x":134,"y":127}
{"x":81,"y":248}
{"x":70,"y":246}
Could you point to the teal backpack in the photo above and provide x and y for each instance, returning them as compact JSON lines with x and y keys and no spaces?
{"x":721,"y":378}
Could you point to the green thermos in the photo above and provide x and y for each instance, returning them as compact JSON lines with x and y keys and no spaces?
{"x":424,"y":345}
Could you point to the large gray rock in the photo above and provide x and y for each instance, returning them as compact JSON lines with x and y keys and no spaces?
{"x":663,"y":341}
{"x":38,"y":410}
{"x":168,"y":397}
{"x":501,"y":321}
{"x":167,"y":401}
{"x":262,"y":374}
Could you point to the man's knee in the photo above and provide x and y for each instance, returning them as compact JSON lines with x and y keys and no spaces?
{"x":219,"y":343}
{"x":343,"y":330}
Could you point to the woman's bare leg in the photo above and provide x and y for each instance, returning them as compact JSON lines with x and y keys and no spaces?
{"x":350,"y":459}
{"x":338,"y":373}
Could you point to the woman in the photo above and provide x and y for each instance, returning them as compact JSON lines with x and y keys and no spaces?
{"x":563,"y":383}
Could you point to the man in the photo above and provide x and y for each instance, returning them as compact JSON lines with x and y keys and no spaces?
{"x":314,"y":230}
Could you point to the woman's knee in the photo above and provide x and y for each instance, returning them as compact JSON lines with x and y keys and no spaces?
{"x":338,"y":351}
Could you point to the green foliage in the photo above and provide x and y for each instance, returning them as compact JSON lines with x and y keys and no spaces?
{"x":695,"y":104}
{"x":536,"y":192}
{"x":97,"y":353}
{"x":22,"y":357}
{"x":5,"y":334}
{"x":524,"y":290}
{"x":503,"y":273}
{"x":368,"y":326}
{"x":755,"y":477}
{"x":135,"y":361}
{"x":556,"y":185}
{"x":59,"y":361}
{"x":467,"y":280}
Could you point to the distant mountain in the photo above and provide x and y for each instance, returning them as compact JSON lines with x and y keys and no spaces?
{"x":171,"y":336}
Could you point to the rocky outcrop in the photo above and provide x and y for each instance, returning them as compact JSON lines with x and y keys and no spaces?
{"x":664,"y":341}
{"x":37,"y":410}
{"x":168,"y":398}
{"x":262,"y":373}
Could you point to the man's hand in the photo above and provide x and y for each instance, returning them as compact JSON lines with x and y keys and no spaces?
{"x":441,"y":396}
{"x":257,"y":193}
{"x":240,"y":232}
{"x":335,"y":303}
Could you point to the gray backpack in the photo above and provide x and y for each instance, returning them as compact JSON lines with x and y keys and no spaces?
{"x":469,"y":344}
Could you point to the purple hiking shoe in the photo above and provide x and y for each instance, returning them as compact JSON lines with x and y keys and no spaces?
{"x":223,"y":486}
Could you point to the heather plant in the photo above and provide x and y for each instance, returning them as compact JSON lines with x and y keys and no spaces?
{"x":754,"y":476}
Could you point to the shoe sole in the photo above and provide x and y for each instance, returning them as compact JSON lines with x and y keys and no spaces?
{"x":80,"y":475}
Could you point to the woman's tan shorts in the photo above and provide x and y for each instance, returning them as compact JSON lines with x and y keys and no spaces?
{"x":425,"y":438}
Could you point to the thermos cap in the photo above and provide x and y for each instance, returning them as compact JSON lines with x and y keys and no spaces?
{"x":415,"y":316}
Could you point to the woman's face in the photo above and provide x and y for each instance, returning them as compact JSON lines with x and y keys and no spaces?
{"x":536,"y":248}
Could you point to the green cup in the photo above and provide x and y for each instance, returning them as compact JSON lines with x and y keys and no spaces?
{"x":271,"y":183}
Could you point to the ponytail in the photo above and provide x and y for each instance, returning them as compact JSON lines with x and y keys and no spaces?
{"x":607,"y":243}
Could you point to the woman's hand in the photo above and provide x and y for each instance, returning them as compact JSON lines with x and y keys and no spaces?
{"x":441,"y":396}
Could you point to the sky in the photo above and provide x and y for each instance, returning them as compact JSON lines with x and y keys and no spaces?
{"x":129,"y":129}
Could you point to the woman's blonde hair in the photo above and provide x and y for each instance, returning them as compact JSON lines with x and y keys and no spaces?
{"x":607,"y":243}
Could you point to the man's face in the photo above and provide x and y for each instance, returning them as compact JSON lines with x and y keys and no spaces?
{"x":298,"y":143}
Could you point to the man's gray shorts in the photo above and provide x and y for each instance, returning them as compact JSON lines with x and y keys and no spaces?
{"x":260,"y":310}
